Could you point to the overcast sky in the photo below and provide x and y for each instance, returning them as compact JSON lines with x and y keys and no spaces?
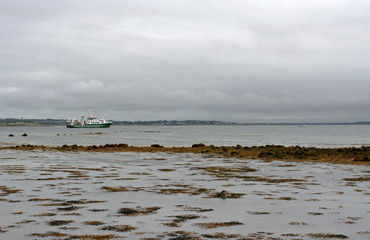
{"x":237,"y":60}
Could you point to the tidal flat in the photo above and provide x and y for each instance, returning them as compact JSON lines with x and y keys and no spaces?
{"x":51,"y":194}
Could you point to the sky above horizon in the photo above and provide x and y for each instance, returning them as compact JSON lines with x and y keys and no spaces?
{"x":240,"y":60}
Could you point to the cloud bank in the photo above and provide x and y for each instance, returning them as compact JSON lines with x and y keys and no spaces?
{"x":245,"y":61}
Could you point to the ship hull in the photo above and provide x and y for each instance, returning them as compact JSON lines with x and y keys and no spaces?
{"x":98,"y":125}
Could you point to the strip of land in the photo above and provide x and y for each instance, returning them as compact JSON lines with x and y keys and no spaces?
{"x":348,"y":155}
{"x":7,"y":122}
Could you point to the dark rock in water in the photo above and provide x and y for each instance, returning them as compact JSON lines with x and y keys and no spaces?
{"x":156,"y":146}
{"x":198,"y":145}
{"x":11,"y":135}
{"x":223,"y":194}
{"x":24,"y":135}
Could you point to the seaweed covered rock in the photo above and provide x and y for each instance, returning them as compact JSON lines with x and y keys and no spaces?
{"x":362,"y":159}
{"x":223,"y":194}
{"x":198,"y":145}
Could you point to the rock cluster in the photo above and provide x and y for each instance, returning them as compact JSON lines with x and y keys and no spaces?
{"x":351,"y":155}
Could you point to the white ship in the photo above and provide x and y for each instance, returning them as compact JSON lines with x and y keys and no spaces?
{"x":90,"y":122}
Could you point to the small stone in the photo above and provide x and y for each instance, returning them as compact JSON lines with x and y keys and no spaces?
{"x":223,"y":194}
{"x":156,"y":146}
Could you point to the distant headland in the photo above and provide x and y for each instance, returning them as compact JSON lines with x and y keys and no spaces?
{"x":59,"y":122}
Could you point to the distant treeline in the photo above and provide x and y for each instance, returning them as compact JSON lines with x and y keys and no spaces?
{"x":31,"y":122}
{"x":174,"y":123}
{"x":59,"y":122}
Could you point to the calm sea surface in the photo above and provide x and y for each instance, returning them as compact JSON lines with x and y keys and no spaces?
{"x":317,"y":136}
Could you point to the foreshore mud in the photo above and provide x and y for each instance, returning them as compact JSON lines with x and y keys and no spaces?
{"x":345,"y":155}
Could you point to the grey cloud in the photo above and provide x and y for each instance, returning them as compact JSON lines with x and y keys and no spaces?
{"x":145,"y":60}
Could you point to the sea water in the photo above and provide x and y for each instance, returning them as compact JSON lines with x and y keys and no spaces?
{"x":169,"y":136}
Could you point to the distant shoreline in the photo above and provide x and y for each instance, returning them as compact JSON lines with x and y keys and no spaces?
{"x":14,"y":122}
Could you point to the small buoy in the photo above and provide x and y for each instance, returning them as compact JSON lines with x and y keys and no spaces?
{"x":24,"y":135}
{"x":11,"y":135}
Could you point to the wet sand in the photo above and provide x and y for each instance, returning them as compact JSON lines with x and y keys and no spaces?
{"x":347,"y":155}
